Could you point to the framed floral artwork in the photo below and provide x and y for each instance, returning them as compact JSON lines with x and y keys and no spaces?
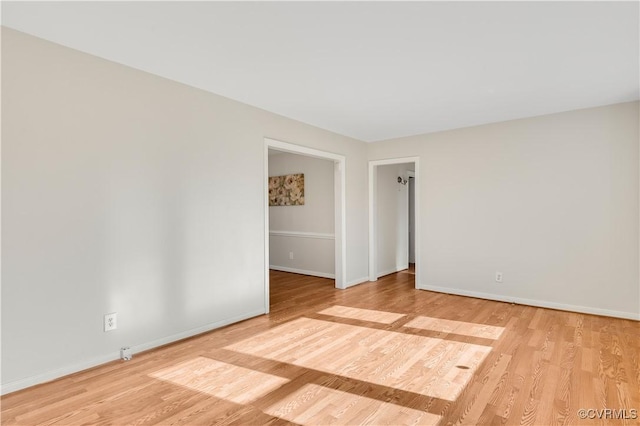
{"x":287,"y":190}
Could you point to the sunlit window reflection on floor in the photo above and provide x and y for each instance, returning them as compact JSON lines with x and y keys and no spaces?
{"x":222,"y":380}
{"x":456,"y":327}
{"x":428,"y":366}
{"x":317,"y":405}
{"x":362,"y":314}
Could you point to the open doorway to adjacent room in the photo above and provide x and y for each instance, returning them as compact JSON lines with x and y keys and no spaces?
{"x":394,"y":218}
{"x":304,"y":213}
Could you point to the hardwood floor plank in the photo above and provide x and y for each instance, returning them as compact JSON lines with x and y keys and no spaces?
{"x":377,"y":353}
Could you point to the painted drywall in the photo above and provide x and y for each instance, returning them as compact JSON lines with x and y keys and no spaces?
{"x":122,"y":193}
{"x":392,"y":223}
{"x":306,"y":231}
{"x":549,"y":201}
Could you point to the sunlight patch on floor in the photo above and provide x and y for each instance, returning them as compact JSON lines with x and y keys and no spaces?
{"x":362,"y":314}
{"x":317,"y":405}
{"x":428,"y":366}
{"x":456,"y":327}
{"x":222,"y":380}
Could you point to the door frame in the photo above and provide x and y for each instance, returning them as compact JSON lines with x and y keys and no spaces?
{"x":340,"y":212}
{"x":373,"y":217}
{"x":411,"y":174}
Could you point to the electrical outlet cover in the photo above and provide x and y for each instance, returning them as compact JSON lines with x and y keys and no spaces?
{"x":126,"y":353}
{"x":110,"y":322}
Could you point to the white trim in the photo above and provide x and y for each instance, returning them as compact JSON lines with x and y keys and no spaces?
{"x":387,"y":272}
{"x":373,"y":238}
{"x":392,"y":271}
{"x":297,"y":234}
{"x":48,"y":376}
{"x":302,"y":271}
{"x":412,"y":174}
{"x":357,"y":281}
{"x":301,"y":150}
{"x":265,"y":194}
{"x":57,"y":373}
{"x":340,"y":201}
{"x":373,"y":219}
{"x":533,"y":302}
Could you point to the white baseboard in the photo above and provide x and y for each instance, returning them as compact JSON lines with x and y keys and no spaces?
{"x":48,"y":376}
{"x":392,"y":271}
{"x":387,"y":272}
{"x":94,"y":362}
{"x":356,"y":282}
{"x":302,"y":271}
{"x":533,"y":302}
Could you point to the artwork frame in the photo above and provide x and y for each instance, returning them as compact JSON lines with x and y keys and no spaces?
{"x":286,"y":190}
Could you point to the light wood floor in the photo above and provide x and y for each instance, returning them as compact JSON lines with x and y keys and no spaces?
{"x":378,"y":353}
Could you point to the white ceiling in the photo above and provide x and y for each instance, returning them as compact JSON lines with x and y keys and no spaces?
{"x":370,"y":70}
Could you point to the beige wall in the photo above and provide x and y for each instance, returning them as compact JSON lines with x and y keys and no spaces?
{"x":550,"y":201}
{"x":127,"y":192}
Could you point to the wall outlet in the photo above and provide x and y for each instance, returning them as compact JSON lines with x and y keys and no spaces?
{"x":110,"y":322}
{"x":126,"y":353}
{"x":498,"y":277}
{"x":290,"y":255}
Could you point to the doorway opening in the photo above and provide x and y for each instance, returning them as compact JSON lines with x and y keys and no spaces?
{"x":394,"y":219}
{"x":339,"y":211}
